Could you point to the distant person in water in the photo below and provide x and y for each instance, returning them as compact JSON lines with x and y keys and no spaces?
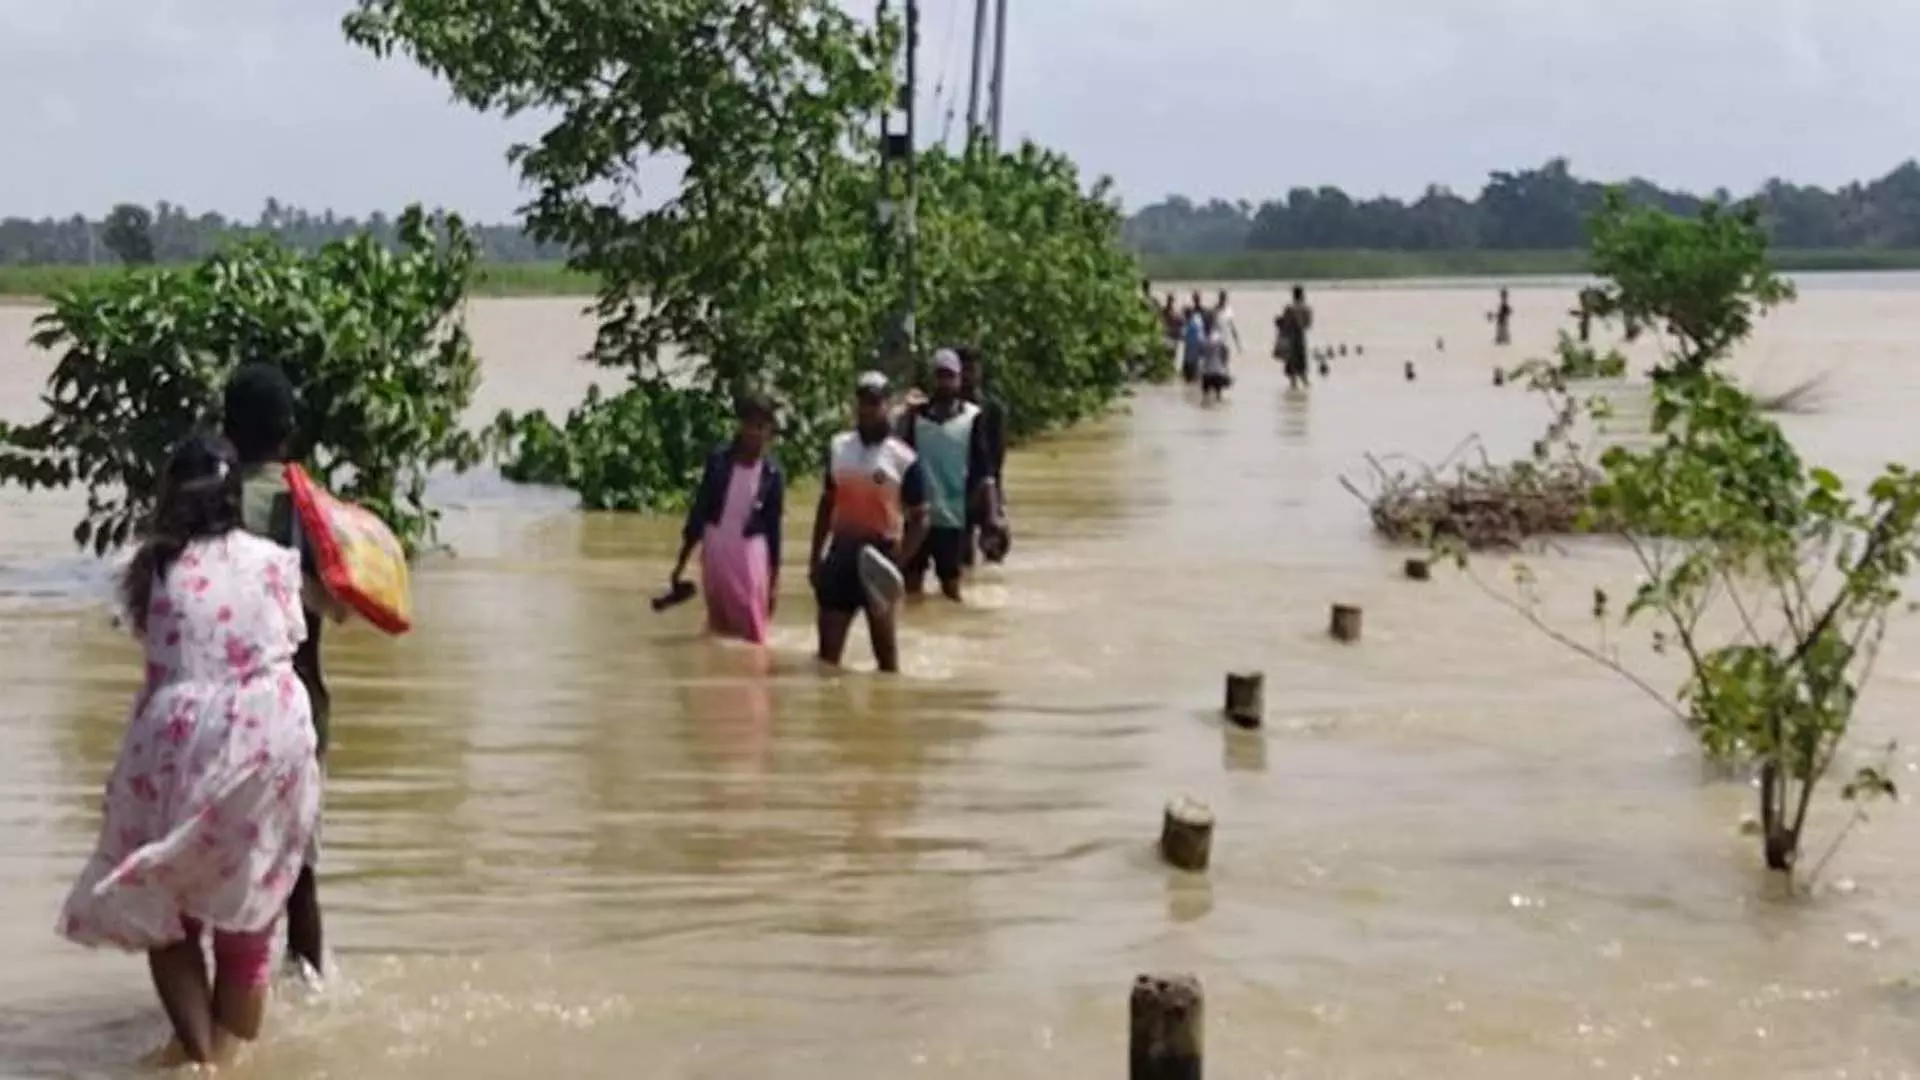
{"x":1290,"y":337}
{"x":1193,"y":343}
{"x":956,"y":458}
{"x":1172,"y":325}
{"x":874,"y":496}
{"x":735,"y":521}
{"x":1502,"y":317}
{"x":1588,"y":303}
{"x":1223,"y":321}
{"x":988,"y":530}
{"x":1214,"y":377}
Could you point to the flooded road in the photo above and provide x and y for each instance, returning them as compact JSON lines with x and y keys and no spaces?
{"x":566,"y":836}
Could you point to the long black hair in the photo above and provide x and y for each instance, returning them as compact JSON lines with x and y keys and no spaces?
{"x":199,"y":497}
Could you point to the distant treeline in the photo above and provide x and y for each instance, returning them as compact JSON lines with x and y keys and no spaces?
{"x":1528,"y":221}
{"x":1534,"y":210}
{"x":169,"y":233}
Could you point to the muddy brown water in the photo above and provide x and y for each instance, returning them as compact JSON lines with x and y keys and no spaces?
{"x":569,"y":837}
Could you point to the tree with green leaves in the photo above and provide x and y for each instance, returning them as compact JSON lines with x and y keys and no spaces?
{"x":371,"y":338}
{"x":767,"y":269}
{"x":1770,"y":581}
{"x":128,"y":233}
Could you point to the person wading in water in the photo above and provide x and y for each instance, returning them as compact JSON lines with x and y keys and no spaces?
{"x":1290,"y":337}
{"x":735,"y":521}
{"x":258,"y":416}
{"x":1214,"y":377}
{"x":987,"y":517}
{"x":874,"y":496}
{"x":953,"y":449}
{"x":1223,"y":322}
{"x":1193,"y":343}
{"x":1502,"y":317}
{"x":209,"y":808}
{"x":1171,"y":326}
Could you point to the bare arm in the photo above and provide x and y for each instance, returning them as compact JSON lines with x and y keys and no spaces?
{"x":913,"y":501}
{"x":315,"y":597}
{"x":822,"y":521}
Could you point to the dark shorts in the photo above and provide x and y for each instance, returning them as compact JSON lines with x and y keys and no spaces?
{"x":1215,"y":383}
{"x":945,"y":550}
{"x":839,"y":589}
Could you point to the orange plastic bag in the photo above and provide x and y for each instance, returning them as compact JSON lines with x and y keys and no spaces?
{"x":361,"y":562}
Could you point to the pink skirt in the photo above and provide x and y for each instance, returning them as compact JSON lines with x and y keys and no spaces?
{"x":737,"y":577}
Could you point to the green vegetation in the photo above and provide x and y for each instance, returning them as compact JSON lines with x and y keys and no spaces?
{"x":26,"y":284}
{"x":370,"y":337}
{"x":1358,"y":265}
{"x":1543,"y":210}
{"x":772,"y":269}
{"x":1527,"y":222}
{"x":1723,"y":516}
{"x":33,"y":284}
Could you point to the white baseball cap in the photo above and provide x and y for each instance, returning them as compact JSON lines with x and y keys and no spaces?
{"x":871,"y":382}
{"x":946,"y":361}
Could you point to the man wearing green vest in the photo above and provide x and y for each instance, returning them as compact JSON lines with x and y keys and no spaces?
{"x":957,"y":457}
{"x":258,"y":419}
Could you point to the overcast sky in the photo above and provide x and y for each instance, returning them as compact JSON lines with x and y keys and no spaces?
{"x":218,"y":104}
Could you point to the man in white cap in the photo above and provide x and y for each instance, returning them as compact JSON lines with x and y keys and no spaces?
{"x":873,"y":509}
{"x":956,"y":454}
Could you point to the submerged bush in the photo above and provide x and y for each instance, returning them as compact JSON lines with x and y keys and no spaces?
{"x":371,"y":339}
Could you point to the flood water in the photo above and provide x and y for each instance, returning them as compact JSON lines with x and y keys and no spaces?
{"x":569,"y":837}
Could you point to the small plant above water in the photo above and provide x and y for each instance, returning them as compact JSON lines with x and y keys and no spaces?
{"x":1761,"y":572}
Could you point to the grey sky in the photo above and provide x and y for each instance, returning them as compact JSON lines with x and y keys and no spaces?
{"x":218,"y":104}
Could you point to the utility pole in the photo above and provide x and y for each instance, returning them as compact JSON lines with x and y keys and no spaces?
{"x":999,"y":68}
{"x":911,"y":219}
{"x":895,"y":220}
{"x":979,"y":58}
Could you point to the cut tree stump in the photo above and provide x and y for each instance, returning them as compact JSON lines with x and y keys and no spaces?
{"x":1246,"y":698}
{"x":1186,"y":835}
{"x":1166,"y":1028}
{"x":1419,"y":569}
{"x":1345,"y":623}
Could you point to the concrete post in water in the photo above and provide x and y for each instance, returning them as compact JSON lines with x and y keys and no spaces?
{"x":1409,"y":371}
{"x":1343,"y":348}
{"x":1324,"y":369}
{"x":1359,"y":350}
{"x":1166,"y":1028}
{"x":1246,"y":698}
{"x":1499,"y":377}
{"x":1345,"y":624}
{"x":1186,"y":835}
{"x":1419,"y":569}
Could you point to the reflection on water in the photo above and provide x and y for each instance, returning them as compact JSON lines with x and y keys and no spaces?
{"x":567,"y":834}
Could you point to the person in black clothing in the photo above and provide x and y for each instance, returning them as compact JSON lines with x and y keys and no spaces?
{"x":985,"y":521}
{"x":258,"y":419}
{"x":1290,"y":337}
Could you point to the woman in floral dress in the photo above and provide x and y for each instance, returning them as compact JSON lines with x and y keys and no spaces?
{"x":208,"y":810}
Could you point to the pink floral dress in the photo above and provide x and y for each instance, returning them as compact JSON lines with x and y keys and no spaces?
{"x":208,"y":811}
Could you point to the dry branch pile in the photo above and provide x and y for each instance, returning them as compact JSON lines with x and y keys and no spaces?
{"x":1480,"y":505}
